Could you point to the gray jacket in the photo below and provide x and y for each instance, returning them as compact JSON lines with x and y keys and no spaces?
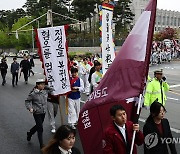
{"x":37,"y":100}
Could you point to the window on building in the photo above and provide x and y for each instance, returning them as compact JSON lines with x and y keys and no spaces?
{"x":164,"y":20}
{"x":175,"y":21}
{"x":178,"y":21}
{"x":142,"y":10}
{"x":159,"y":20}
{"x":171,"y":21}
{"x":167,"y":21}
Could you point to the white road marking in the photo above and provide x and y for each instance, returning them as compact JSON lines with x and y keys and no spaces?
{"x":174,"y":86}
{"x":172,"y":129}
{"x":173,"y":98}
{"x":83,"y":102}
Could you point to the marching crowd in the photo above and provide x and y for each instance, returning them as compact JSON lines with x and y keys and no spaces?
{"x":85,"y":75}
{"x":164,"y":53}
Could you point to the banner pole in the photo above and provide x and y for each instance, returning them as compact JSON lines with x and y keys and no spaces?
{"x":60,"y":111}
{"x":134,"y":132}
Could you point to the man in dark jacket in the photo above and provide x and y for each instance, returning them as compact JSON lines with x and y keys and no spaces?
{"x":31,"y":61}
{"x":25,"y":67}
{"x":14,"y":71}
{"x":3,"y":68}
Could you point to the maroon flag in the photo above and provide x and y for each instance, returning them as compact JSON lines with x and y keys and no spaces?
{"x":124,"y":79}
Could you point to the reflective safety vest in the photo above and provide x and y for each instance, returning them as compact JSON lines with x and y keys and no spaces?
{"x":156,"y":90}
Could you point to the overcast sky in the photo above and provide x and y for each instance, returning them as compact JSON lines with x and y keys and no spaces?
{"x":162,"y":4}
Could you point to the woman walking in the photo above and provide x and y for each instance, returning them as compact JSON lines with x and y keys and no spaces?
{"x":156,"y":131}
{"x":62,"y":142}
{"x":36,"y":103}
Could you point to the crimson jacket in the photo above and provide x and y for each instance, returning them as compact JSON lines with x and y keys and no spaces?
{"x":114,"y":142}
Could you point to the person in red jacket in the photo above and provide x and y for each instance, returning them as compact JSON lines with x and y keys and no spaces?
{"x":118,"y":136}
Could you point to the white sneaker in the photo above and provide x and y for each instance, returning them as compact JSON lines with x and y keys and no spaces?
{"x":53,"y":130}
{"x":73,"y":127}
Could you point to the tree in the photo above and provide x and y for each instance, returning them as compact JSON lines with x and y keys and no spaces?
{"x":167,"y":33}
{"x":7,"y":18}
{"x":122,"y":18}
{"x":25,"y":38}
{"x":31,"y":7}
{"x":84,"y":9}
{"x":5,"y":42}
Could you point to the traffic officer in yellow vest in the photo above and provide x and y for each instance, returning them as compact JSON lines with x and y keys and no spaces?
{"x":156,"y":89}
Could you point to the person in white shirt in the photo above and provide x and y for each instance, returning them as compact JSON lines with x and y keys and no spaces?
{"x":74,"y":96}
{"x":84,"y":71}
{"x":96,"y":76}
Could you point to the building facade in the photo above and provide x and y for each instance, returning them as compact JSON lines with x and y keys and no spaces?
{"x":164,"y":18}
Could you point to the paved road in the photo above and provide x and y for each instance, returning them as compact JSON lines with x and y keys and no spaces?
{"x":15,"y":120}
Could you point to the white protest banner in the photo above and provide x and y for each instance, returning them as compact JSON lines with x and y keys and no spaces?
{"x":108,"y":53}
{"x":52,"y":44}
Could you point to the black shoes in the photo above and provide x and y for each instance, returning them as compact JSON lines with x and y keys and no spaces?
{"x":29,"y":136}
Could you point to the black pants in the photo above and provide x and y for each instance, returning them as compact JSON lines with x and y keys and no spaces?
{"x":14,"y":77}
{"x":3,"y":74}
{"x":31,"y":71}
{"x":25,"y":72}
{"x":39,"y":119}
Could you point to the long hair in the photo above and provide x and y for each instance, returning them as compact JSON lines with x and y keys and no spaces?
{"x":62,"y":133}
{"x":155,"y":110}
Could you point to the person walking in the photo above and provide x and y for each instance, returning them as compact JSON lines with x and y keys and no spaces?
{"x":77,"y":86}
{"x":36,"y":103}
{"x":85,"y":69}
{"x":31,"y":61}
{"x":157,"y":128}
{"x":118,"y":135}
{"x":62,"y":142}
{"x":14,"y":71}
{"x":52,"y":108}
{"x":3,"y":68}
{"x":92,"y":70}
{"x":156,"y":89}
{"x":25,"y":67}
{"x":96,"y":76}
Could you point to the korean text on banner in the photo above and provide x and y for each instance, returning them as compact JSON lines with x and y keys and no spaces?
{"x":108,"y":53}
{"x":53,"y":49}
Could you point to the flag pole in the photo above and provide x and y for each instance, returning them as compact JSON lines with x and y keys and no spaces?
{"x":60,"y":110}
{"x":134,"y":132}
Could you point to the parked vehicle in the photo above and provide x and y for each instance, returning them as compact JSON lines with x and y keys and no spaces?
{"x":21,"y":53}
{"x":34,"y":55}
{"x":4,"y":54}
{"x":12,"y":54}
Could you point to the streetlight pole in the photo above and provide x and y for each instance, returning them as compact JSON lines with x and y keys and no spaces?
{"x":49,"y":15}
{"x":32,"y":39}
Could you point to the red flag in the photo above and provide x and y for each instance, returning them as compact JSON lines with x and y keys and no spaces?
{"x":124,"y":79}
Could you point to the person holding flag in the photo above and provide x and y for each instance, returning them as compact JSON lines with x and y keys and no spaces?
{"x":118,"y":135}
{"x":124,"y":79}
{"x":77,"y":86}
